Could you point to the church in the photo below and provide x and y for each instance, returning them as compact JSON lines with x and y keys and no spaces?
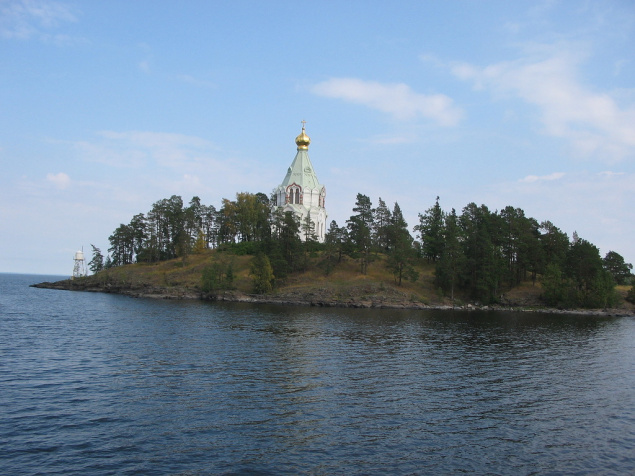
{"x":301,"y":192}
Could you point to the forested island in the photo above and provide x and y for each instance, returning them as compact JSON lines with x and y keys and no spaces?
{"x":245,"y":247}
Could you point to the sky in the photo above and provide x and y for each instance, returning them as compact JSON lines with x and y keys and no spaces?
{"x":108,"y":107}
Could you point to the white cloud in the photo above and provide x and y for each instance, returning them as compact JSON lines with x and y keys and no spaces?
{"x":537,"y":178}
{"x":31,"y":18}
{"x":396,"y":99}
{"x":136,"y":149}
{"x":389,"y":140}
{"x":60,"y":180}
{"x":608,"y":173}
{"x":593,"y":122}
{"x":163,"y":164}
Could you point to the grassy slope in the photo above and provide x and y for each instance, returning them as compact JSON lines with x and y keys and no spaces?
{"x":343,"y":284}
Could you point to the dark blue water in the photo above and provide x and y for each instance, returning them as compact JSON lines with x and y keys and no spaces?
{"x":104,"y":384}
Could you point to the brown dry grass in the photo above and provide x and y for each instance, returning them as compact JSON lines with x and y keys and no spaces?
{"x":344,"y":282}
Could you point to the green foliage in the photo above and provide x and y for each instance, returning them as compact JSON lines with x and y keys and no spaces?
{"x":630,"y":296}
{"x":243,"y":248}
{"x":334,"y":244}
{"x":217,"y":277}
{"x":451,"y":263}
{"x":359,"y":231}
{"x":484,"y":262}
{"x":430,"y":230}
{"x":401,"y":253}
{"x":200,"y":245}
{"x":614,"y":263}
{"x":582,"y":283}
{"x":555,"y":288}
{"x":381,"y":224}
{"x":262,"y":273}
{"x":479,"y":254}
{"x":97,"y":263}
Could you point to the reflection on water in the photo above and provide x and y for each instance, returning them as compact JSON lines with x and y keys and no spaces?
{"x":104,"y":384}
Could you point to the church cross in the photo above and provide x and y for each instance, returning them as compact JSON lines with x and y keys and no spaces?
{"x":303,"y":123}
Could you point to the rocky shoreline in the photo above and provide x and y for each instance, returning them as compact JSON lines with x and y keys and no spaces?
{"x":309,"y":299}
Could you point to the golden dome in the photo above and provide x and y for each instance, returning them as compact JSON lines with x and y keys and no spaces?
{"x":303,"y":140}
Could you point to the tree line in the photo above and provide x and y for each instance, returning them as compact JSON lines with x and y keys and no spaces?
{"x":478,"y":253}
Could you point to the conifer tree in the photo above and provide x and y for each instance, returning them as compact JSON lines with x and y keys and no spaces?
{"x":381,"y":223}
{"x":262,"y":274}
{"x":359,"y":227}
{"x":97,"y":263}
{"x":451,"y":263}
{"x":401,"y":253}
{"x":430,"y":230}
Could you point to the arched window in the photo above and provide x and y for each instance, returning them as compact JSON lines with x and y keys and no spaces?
{"x":297,"y":195}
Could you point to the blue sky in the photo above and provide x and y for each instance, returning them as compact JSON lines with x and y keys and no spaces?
{"x":107,"y":107}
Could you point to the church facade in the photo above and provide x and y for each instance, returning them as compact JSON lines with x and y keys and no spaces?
{"x":301,"y":192}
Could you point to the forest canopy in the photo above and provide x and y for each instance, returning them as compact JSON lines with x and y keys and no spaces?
{"x":477,"y":253}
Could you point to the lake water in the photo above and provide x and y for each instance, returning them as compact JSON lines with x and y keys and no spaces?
{"x":105,"y":384}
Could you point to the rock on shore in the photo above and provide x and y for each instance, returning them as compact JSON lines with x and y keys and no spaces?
{"x":375,"y":299}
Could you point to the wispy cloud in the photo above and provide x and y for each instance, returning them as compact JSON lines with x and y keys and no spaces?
{"x":28,"y":19}
{"x":135,"y":149}
{"x":539,"y":178}
{"x":547,"y":77}
{"x":60,"y":180}
{"x":396,"y":99}
{"x":169,"y":163}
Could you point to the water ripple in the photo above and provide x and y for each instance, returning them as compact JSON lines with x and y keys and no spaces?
{"x":99,"y":384}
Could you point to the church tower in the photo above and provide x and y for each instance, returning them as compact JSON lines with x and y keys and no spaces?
{"x":300,"y":192}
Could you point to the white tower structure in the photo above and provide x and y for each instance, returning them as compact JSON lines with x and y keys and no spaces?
{"x":79,"y":269}
{"x":300,"y":192}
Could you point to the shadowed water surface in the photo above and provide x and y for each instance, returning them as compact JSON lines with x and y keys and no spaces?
{"x":104,"y":384}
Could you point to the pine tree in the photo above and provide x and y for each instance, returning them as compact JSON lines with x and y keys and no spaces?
{"x":359,"y":227}
{"x":97,"y":263}
{"x":381,"y":222}
{"x":262,"y":272}
{"x":400,"y":254}
{"x":430,"y":230}
{"x":450,"y":265}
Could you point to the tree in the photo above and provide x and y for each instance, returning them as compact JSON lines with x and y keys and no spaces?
{"x":554,"y":242}
{"x":359,"y":230}
{"x":484,"y":263}
{"x":400,"y":254}
{"x":519,"y":244}
{"x":262,"y":272}
{"x":555,"y":288}
{"x":289,"y":241}
{"x":308,"y":230}
{"x":97,"y":263}
{"x":381,"y":223}
{"x":430,"y":230}
{"x":451,"y":263}
{"x":121,"y":245}
{"x":208,"y":226}
{"x":335,"y":239}
{"x":614,"y":263}
{"x":139,"y":236}
{"x":200,"y":244}
{"x":591,"y":284}
{"x":217,"y":276}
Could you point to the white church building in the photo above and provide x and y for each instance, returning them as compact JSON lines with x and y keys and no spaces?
{"x":301,"y":192}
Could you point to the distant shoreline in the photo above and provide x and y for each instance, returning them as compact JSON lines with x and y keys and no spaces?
{"x":178,"y":293}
